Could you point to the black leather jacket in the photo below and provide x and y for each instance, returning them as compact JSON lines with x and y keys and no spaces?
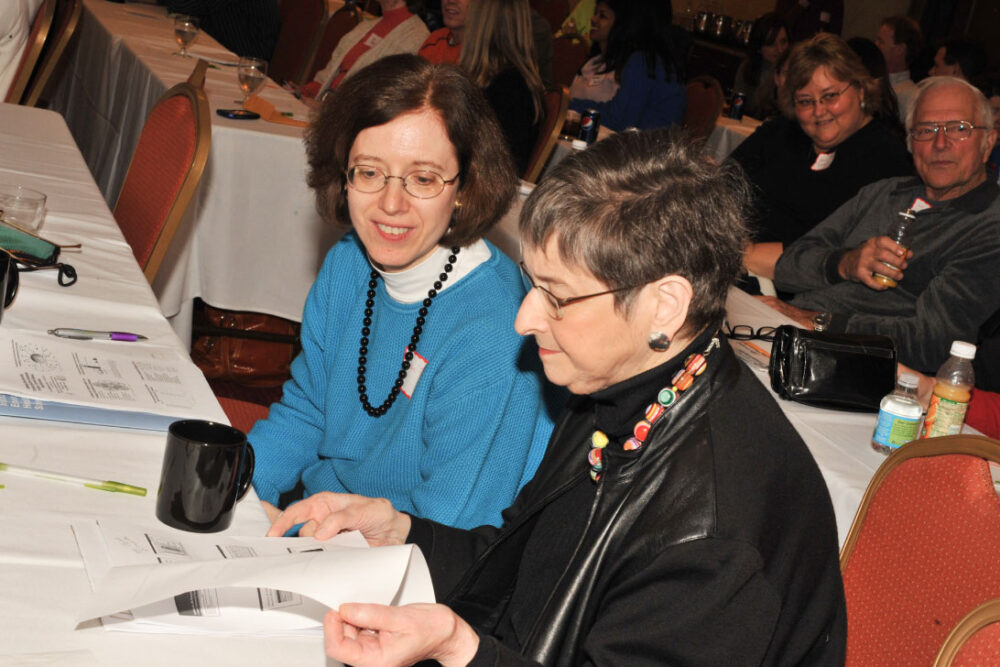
{"x":651,"y":514}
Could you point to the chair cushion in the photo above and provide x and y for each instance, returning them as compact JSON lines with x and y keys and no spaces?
{"x":928,"y":552}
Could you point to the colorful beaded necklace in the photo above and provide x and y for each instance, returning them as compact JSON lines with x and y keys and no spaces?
{"x":694,"y":366}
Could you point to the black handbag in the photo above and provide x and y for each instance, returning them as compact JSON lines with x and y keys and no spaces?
{"x":839,"y":371}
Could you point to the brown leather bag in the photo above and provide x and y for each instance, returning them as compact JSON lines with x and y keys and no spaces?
{"x":252,"y":349}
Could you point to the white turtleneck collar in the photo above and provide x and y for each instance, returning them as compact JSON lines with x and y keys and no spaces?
{"x":411,"y":285}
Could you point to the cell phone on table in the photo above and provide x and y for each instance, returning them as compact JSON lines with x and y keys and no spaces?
{"x":238,"y":114}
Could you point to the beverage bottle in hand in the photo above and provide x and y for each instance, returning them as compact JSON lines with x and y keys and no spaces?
{"x":899,"y":232}
{"x":952,"y":391}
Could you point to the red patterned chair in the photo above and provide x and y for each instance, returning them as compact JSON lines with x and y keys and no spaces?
{"x":975,"y":640}
{"x":67,"y":16}
{"x":704,"y":104}
{"x":243,"y":414}
{"x":166,"y":166}
{"x":40,"y":26}
{"x":923,"y":550}
{"x":302,"y":24}
{"x":556,"y":105}
{"x":568,"y":55}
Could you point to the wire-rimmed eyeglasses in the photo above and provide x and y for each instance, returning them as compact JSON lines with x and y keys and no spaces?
{"x":747,"y":332}
{"x":959,"y":130}
{"x":421,"y":183}
{"x":553,"y":304}
{"x":825,"y":100}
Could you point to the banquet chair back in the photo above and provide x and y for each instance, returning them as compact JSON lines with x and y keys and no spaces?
{"x":975,"y":640}
{"x":554,"y":11}
{"x":165,"y":169}
{"x":40,"y":27}
{"x":301,"y":29}
{"x":568,"y":55}
{"x":923,"y":549}
{"x":243,"y":414}
{"x":556,"y":105}
{"x":704,"y":104}
{"x":67,"y":17}
{"x":341,"y":22}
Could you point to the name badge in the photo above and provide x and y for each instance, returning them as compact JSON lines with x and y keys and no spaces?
{"x":417,"y":366}
{"x":372,"y":41}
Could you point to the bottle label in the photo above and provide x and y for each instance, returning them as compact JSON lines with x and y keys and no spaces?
{"x":944,"y":417}
{"x":894,"y":431}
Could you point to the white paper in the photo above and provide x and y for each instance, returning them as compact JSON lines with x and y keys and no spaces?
{"x":119,"y":383}
{"x":162,"y":580}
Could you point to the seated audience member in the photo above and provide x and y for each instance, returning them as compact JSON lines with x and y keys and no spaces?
{"x":639,"y":53}
{"x":245,"y":27}
{"x":577,"y":22}
{"x":960,"y":59}
{"x":803,"y":165}
{"x":947,"y":277}
{"x":991,"y":89}
{"x":899,"y":40}
{"x":807,"y":18}
{"x":755,"y":76}
{"x":398,"y":31}
{"x":444,"y":45}
{"x":594,"y":82}
{"x":873,"y":60}
{"x":497,"y":55}
{"x":427,"y":408}
{"x":707,"y":539}
{"x":15,"y":26}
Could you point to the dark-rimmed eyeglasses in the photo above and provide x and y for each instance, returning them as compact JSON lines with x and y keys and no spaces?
{"x":421,"y":183}
{"x":825,"y":100}
{"x":747,"y":332}
{"x":958,"y":130}
{"x":553,"y":304}
{"x":8,"y":278}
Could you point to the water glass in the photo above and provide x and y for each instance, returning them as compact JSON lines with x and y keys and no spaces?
{"x":252,"y":75}
{"x":22,"y":207}
{"x":185,"y":30}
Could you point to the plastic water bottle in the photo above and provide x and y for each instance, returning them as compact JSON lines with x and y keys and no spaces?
{"x":899,"y":232}
{"x":952,"y":391}
{"x":899,"y":416}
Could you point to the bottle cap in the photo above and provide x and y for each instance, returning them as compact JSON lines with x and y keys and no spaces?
{"x":579,"y":144}
{"x":909,"y":380}
{"x":960,"y":348}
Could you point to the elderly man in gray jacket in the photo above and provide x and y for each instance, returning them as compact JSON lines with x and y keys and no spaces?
{"x":947,"y":276}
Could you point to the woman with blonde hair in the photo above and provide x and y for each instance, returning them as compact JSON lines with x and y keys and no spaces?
{"x":498,"y":54}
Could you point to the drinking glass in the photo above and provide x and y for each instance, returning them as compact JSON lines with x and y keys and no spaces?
{"x":252,"y":74}
{"x":185,"y":30}
{"x":21,"y":206}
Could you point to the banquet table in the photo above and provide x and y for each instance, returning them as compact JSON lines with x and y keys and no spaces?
{"x":728,"y":134}
{"x":43,"y":582}
{"x":252,"y":239}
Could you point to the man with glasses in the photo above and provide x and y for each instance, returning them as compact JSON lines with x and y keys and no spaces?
{"x":947,"y":285}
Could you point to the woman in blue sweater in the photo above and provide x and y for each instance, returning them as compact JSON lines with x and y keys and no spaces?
{"x":633,"y":38}
{"x":411,"y":383}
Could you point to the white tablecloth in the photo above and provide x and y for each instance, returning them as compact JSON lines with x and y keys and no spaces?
{"x":728,"y":134}
{"x":252,"y":239}
{"x":42,"y":579}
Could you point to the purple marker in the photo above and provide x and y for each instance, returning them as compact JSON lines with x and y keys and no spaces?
{"x":87,"y":334}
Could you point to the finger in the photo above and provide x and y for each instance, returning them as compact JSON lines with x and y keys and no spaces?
{"x":338,"y":643}
{"x":308,"y":529}
{"x":369,"y":616}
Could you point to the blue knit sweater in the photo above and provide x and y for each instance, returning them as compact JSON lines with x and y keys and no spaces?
{"x":459,"y":448}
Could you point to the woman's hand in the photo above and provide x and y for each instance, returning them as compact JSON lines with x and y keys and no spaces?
{"x":879,"y":254}
{"x":325,"y":514}
{"x":372,"y":634}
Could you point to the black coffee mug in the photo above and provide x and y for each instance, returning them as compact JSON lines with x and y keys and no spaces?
{"x":207,"y":468}
{"x":8,"y":280}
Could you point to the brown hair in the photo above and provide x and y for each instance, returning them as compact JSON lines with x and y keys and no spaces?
{"x":830,"y":51}
{"x":389,"y":88}
{"x":905,"y":31}
{"x":639,"y":206}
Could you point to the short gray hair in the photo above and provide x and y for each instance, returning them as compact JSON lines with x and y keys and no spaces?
{"x":639,"y":206}
{"x":985,"y":114}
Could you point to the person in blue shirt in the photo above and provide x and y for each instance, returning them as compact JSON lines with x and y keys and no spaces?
{"x":411,"y":384}
{"x":633,"y":38}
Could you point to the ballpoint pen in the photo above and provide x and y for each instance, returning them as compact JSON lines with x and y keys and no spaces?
{"x":100,"y":485}
{"x":87,"y":334}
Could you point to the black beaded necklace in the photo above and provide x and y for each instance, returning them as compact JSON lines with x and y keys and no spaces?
{"x":418,"y":329}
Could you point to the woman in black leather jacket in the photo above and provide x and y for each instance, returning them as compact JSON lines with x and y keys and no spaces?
{"x":676,"y":518}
